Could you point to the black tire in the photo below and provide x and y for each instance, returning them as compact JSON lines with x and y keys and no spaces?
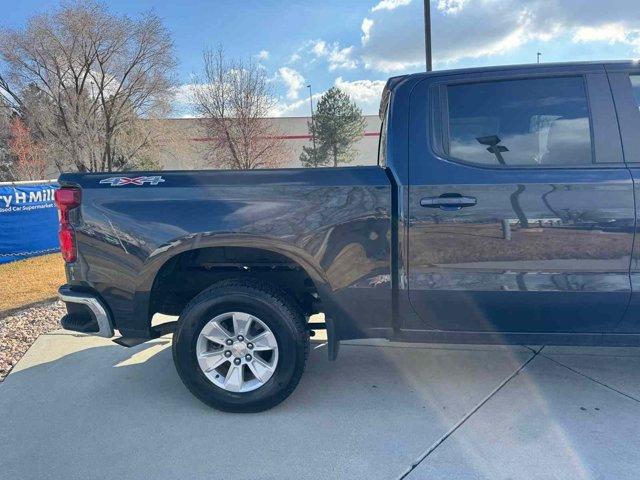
{"x":272,"y":307}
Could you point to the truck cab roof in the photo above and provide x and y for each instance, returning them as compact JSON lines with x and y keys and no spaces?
{"x":393,"y":82}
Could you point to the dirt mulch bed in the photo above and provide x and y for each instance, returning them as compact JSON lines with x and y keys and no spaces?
{"x":19,"y":330}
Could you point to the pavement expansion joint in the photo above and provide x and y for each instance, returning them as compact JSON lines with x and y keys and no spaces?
{"x":442,"y":439}
{"x":577,"y":372}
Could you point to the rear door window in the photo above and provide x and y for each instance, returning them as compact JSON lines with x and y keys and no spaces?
{"x":514,"y":123}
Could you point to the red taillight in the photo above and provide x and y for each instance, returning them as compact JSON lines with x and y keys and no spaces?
{"x":67,"y":244}
{"x":67,"y":199}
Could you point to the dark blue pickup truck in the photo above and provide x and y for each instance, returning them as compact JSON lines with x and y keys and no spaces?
{"x":502,"y":210}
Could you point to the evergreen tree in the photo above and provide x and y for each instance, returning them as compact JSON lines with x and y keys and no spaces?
{"x":338,"y":123}
{"x":312,"y":156}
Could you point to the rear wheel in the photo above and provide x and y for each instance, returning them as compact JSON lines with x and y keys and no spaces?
{"x":241,"y":346}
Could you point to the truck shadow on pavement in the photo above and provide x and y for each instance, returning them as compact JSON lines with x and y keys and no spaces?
{"x":105,"y":411}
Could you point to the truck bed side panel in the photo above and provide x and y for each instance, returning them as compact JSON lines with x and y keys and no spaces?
{"x":334,"y":222}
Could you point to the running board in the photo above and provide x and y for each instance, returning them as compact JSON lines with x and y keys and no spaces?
{"x":157,"y":331}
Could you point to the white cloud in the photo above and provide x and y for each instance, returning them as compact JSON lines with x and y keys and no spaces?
{"x":389,"y":66}
{"x":263,"y":55}
{"x":451,"y":6}
{"x":342,"y":58}
{"x":367,"y":23}
{"x":612,"y":33}
{"x":366,"y":93}
{"x":337,"y":57}
{"x":319,"y":48}
{"x":293,"y":81}
{"x":390,"y":5}
{"x":609,"y":32}
{"x":294,"y":58}
{"x":299,"y":108}
{"x":182,"y":104}
{"x":393,"y":38}
{"x":523,"y":33}
{"x":183,"y":94}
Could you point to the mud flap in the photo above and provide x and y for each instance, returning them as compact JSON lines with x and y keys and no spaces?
{"x":333,"y":343}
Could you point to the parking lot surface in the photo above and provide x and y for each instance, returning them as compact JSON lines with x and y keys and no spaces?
{"x":78,"y":407}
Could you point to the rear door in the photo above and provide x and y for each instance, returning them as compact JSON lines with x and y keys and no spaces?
{"x":521,"y":207}
{"x":625,"y":85}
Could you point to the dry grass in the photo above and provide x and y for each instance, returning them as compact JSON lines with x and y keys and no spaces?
{"x":28,"y":281}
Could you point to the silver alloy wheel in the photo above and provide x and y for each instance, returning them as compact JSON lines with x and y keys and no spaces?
{"x":237,"y":352}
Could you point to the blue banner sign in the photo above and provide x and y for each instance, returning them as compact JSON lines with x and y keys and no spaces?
{"x":28,"y":221}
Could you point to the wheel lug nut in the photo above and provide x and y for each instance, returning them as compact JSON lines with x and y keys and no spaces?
{"x":250,"y":346}
{"x":240,"y":338}
{"x":236,"y":361}
{"x":229,"y":342}
{"x":247,"y":357}
{"x":227,"y":353}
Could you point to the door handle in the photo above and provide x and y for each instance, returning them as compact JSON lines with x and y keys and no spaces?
{"x":448,"y":201}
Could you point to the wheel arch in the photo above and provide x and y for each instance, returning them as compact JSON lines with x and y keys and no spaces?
{"x":164,"y":257}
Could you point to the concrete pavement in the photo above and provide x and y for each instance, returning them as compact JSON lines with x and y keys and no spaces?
{"x":82,"y":407}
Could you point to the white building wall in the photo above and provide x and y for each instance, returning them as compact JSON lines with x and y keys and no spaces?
{"x":188,"y":149}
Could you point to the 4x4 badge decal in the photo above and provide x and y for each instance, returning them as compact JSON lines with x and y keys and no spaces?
{"x":120,"y":181}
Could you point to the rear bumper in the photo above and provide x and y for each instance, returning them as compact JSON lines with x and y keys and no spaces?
{"x":86,"y":313}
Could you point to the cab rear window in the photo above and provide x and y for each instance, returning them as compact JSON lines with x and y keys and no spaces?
{"x":528,"y":122}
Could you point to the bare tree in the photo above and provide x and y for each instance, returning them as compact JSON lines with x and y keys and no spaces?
{"x":29,"y":157}
{"x":6,"y":160}
{"x":234,"y":98}
{"x":84,"y":79}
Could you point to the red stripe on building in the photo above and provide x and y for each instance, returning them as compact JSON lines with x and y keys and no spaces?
{"x":282,"y":137}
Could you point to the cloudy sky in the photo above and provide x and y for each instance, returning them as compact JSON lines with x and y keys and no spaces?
{"x":357,"y":44}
